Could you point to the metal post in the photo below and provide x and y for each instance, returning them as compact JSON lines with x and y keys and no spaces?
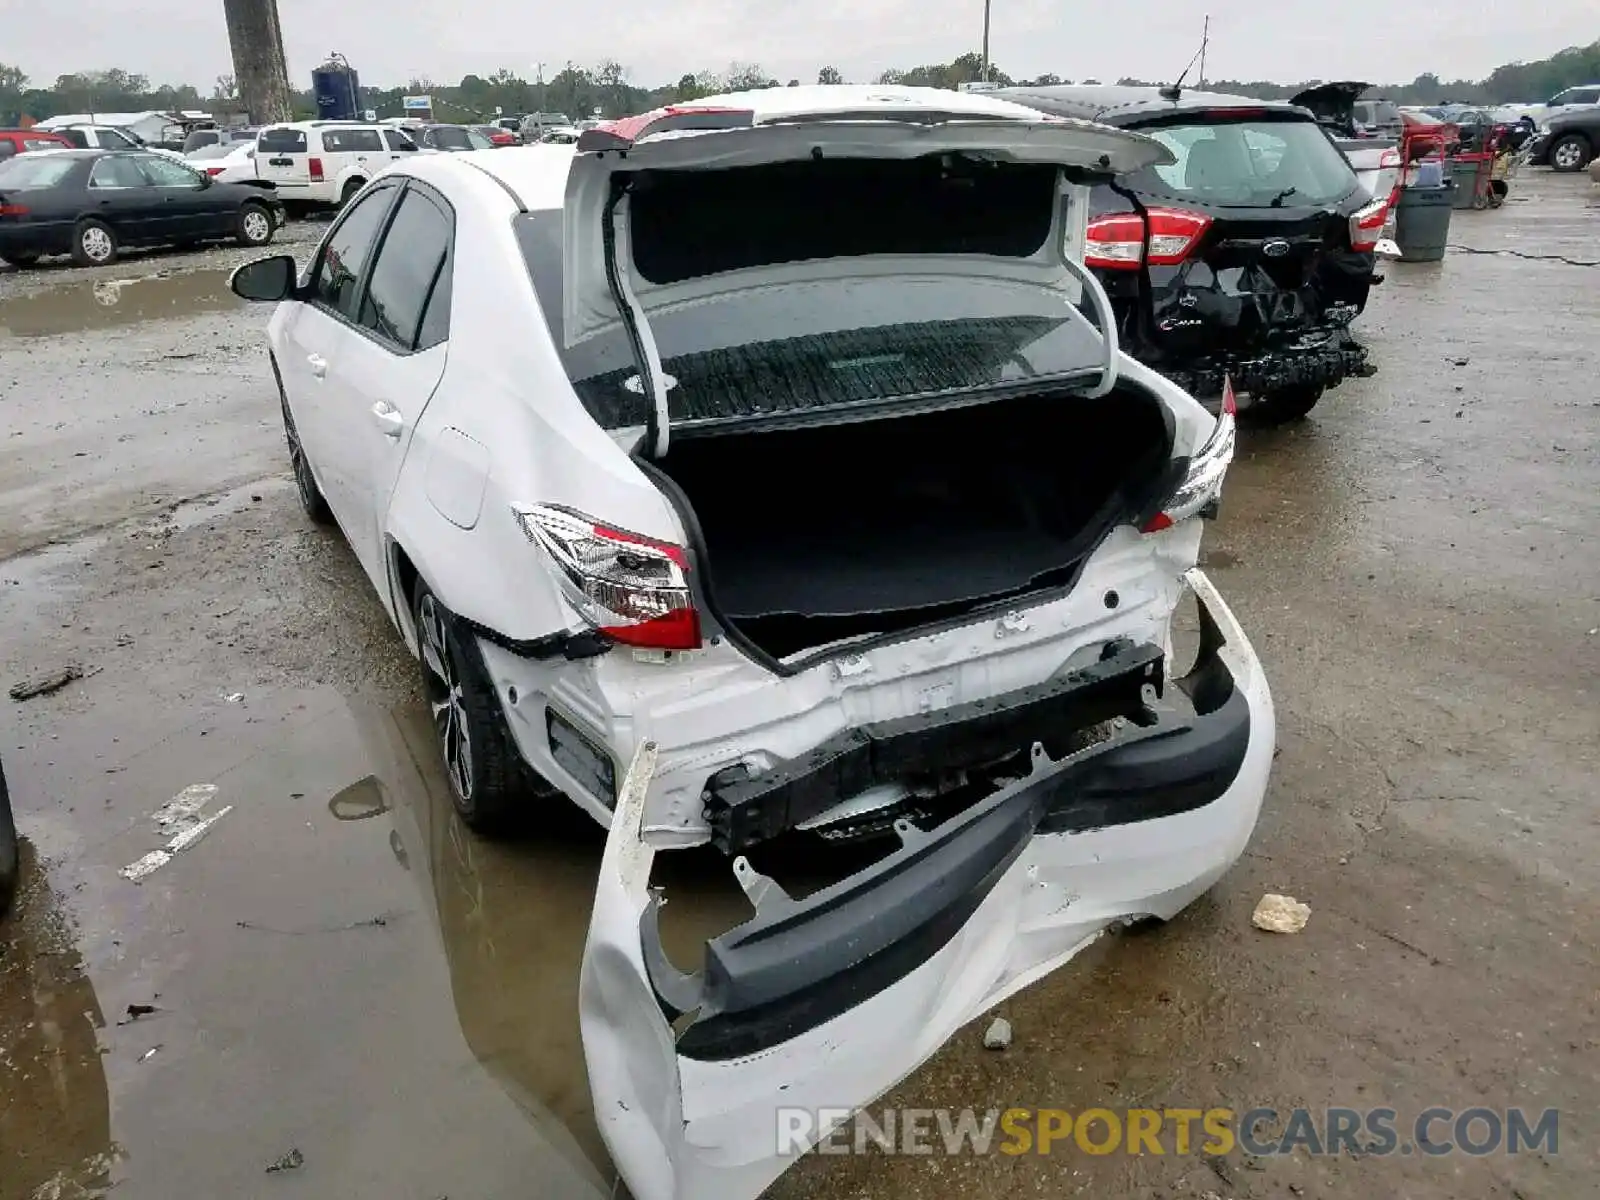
{"x":986,"y":40}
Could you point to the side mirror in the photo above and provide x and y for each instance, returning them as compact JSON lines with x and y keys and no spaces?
{"x":267,"y":279}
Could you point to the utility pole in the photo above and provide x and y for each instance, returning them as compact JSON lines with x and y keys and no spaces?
{"x":1205,"y":38}
{"x":986,"y":40}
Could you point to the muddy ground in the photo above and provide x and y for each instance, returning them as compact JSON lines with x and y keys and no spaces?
{"x":343,"y":982}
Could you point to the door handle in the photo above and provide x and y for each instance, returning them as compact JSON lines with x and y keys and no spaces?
{"x":319,"y":365}
{"x":389,"y":418}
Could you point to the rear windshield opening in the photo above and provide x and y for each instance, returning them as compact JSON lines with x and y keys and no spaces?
{"x":687,"y":224}
{"x":1248,"y":164}
{"x":282,"y":141}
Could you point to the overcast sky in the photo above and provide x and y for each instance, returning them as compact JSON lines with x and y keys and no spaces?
{"x":185,"y":41}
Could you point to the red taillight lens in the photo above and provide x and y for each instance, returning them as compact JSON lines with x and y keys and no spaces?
{"x":213,"y":171}
{"x":13,"y":210}
{"x":1366,"y":225}
{"x":633,"y":589}
{"x":1116,"y":241}
{"x":314,"y":165}
{"x":1207,"y":468}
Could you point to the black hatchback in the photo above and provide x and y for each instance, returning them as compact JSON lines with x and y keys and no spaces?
{"x":1248,"y":257}
{"x":93,"y":203}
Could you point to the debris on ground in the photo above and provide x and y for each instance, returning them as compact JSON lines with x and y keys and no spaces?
{"x":998,"y":1036}
{"x":150,"y":1053}
{"x":291,"y":1161}
{"x":46,"y":682}
{"x":135,"y":1011}
{"x":1280,"y":914}
{"x":180,"y":818}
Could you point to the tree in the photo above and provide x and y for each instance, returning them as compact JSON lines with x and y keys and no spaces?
{"x":688,"y":89}
{"x":226,"y":90}
{"x":794,"y":83}
{"x":744,"y":77}
{"x":13,"y":81}
{"x":830,"y":75}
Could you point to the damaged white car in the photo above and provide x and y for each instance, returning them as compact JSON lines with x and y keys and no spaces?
{"x":765,"y":439}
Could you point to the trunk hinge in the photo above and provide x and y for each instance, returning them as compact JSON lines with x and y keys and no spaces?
{"x":1106,"y":318}
{"x":646,"y":358}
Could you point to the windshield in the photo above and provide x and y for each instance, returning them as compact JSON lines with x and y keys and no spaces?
{"x":806,"y":347}
{"x":1247,"y":164}
{"x":44,"y":171}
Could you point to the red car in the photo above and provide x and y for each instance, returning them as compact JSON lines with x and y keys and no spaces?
{"x":497,"y":134}
{"x":18,"y":141}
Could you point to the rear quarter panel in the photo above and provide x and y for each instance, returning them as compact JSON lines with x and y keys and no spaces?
{"x":505,"y":388}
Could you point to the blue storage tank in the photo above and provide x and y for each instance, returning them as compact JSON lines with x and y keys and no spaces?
{"x":337,"y":92}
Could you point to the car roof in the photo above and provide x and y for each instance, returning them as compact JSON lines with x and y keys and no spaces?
{"x":536,"y":175}
{"x":1117,"y":104}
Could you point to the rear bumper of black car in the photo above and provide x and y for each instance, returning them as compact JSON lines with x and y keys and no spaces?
{"x":1325,"y":366}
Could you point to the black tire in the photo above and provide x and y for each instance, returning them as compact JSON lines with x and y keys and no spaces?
{"x":350,"y":190}
{"x":94,"y":244}
{"x":255,"y":226}
{"x":20,"y":259}
{"x":1285,"y":404}
{"x":311,"y":498}
{"x":1570,"y":153}
{"x":10,"y":856}
{"x":486,"y":784}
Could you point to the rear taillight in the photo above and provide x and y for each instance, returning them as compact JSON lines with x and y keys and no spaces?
{"x":213,"y":171}
{"x":314,"y":166}
{"x":633,"y":589}
{"x":1366,"y":225}
{"x":1115,"y":241}
{"x":1203,"y":484}
{"x":13,"y":210}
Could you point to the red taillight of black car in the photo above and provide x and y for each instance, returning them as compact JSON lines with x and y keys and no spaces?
{"x":1116,"y":241}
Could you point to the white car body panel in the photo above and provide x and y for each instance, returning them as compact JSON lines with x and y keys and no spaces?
{"x":237,"y":166}
{"x":428,"y":454}
{"x":681,"y":1129}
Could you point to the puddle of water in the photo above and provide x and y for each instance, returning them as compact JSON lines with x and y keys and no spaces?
{"x":89,"y":305}
{"x":294,"y":959}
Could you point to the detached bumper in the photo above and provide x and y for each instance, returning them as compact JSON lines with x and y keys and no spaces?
{"x":827,"y":1002}
{"x":1320,"y":366}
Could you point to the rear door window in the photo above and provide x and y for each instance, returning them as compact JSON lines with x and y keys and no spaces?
{"x":398,"y":140}
{"x":414,"y":252}
{"x":118,"y":171}
{"x":77,"y":137}
{"x":343,"y":264}
{"x":282,"y":141}
{"x":351,"y":141}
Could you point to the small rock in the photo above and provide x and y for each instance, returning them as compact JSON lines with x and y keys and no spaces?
{"x":998,"y":1036}
{"x":1280,"y":914}
{"x":46,"y":682}
{"x":291,"y":1161}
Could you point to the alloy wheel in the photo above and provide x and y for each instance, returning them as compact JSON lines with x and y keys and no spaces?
{"x":257,"y":228}
{"x":1569,"y":156}
{"x":97,"y":243}
{"x":443,"y":685}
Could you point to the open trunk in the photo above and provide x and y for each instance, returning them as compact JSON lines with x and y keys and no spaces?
{"x":812,"y":536}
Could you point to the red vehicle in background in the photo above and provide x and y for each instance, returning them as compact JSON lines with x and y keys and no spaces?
{"x":498,"y":135}
{"x":19,"y":141}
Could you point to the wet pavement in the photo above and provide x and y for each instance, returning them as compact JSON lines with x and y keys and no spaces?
{"x":348,"y":984}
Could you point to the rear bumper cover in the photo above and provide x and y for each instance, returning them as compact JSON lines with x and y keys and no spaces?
{"x":796,"y":965}
{"x":830,"y":1001}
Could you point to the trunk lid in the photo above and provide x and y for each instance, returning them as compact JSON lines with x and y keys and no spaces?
{"x":1333,"y":104}
{"x":795,"y":125}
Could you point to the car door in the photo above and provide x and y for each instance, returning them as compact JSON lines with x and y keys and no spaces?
{"x":390,"y":371}
{"x":121,"y":195}
{"x":333,"y":430}
{"x":398,"y":144}
{"x":187,"y":209}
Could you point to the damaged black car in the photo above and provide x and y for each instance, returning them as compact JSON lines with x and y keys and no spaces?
{"x":1245,"y":259}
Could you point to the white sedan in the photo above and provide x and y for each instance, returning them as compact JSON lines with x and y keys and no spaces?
{"x":749,"y":473}
{"x":225,"y":162}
